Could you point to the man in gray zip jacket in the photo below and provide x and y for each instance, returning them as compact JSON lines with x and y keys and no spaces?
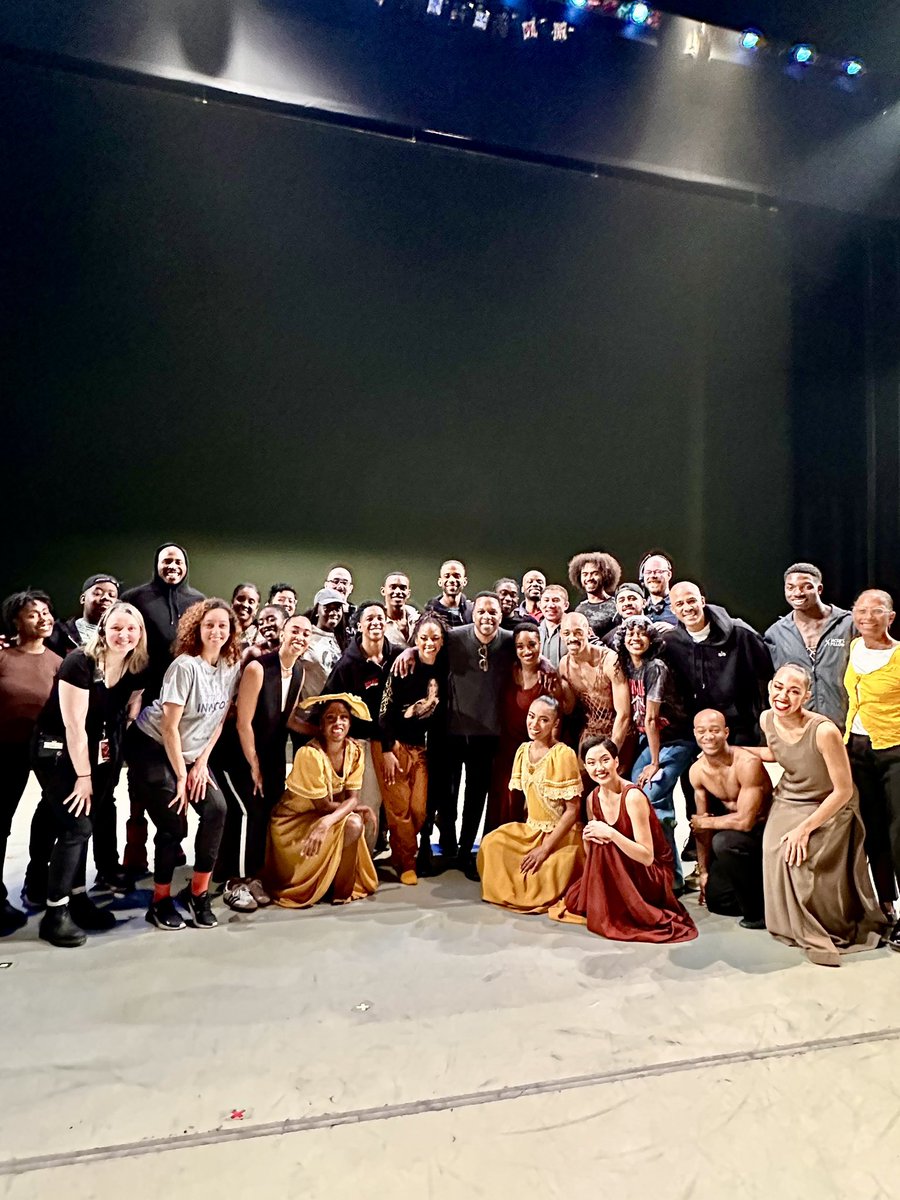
{"x":816,"y":635}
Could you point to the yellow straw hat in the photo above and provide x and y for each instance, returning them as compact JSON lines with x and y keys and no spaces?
{"x":356,"y":706}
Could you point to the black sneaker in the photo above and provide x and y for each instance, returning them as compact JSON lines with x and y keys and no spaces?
{"x":11,"y":918}
{"x":58,"y":928}
{"x":893,"y":938}
{"x":164,"y":915}
{"x":117,"y":881}
{"x":759,"y":923}
{"x":199,"y":908}
{"x":84,"y":912}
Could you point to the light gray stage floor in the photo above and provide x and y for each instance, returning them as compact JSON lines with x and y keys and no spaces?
{"x":423,"y":1044}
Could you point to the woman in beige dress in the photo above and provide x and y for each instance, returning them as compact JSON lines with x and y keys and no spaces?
{"x":818,"y":893}
{"x":316,"y":844}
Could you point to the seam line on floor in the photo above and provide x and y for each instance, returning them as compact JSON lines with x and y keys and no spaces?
{"x":388,"y":1112}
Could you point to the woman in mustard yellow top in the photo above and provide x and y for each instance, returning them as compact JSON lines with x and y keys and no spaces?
{"x":873,"y":740}
{"x":316,"y":847}
{"x":528,"y":865}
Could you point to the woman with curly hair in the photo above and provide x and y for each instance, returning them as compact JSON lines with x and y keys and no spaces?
{"x":597,"y":574}
{"x":665,"y":745}
{"x":168,"y":756}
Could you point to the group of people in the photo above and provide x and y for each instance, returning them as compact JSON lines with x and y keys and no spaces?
{"x":309,"y":741}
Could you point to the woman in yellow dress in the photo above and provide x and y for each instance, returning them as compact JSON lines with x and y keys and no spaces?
{"x":315,"y":832}
{"x":528,"y":865}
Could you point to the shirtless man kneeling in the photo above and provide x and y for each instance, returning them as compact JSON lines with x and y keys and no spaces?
{"x":732,"y":791}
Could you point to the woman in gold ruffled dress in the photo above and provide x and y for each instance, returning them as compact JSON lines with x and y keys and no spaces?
{"x":316,"y":848}
{"x":528,"y":865}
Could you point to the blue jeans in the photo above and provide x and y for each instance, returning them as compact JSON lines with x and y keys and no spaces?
{"x":674,"y":759}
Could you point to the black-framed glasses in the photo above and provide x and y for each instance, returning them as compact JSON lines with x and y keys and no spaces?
{"x":482,"y":658}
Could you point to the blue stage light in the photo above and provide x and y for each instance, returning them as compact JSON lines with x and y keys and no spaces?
{"x":750,"y":39}
{"x":803,"y":54}
{"x":853,"y":67}
{"x":640,"y":13}
{"x":579,"y":3}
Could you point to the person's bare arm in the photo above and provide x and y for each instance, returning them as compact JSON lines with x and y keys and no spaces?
{"x":134,"y":706}
{"x":567,"y":695}
{"x":651,"y":728}
{"x":621,"y":700}
{"x":640,"y":848}
{"x":830,"y":743}
{"x":73,"y":706}
{"x":247,"y":700}
{"x":754,"y":788}
{"x":534,"y":859}
{"x":333,"y":811}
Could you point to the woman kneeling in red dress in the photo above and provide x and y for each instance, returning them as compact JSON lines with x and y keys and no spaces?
{"x":625,"y":891}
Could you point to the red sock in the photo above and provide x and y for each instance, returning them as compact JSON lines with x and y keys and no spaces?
{"x":161,"y":891}
{"x":200,"y":882}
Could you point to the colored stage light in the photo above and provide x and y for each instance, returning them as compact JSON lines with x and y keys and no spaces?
{"x":579,"y":3}
{"x":751,"y":39}
{"x":640,"y":13}
{"x":853,"y":67}
{"x":803,"y":54}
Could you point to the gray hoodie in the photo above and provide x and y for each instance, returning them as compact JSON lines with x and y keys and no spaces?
{"x":829,"y":696}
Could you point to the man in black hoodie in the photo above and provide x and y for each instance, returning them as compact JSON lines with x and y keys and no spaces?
{"x":161,"y":603}
{"x":721,"y":662}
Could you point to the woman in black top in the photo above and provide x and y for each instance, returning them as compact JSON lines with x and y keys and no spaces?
{"x":77,"y":753}
{"x":412,"y":711}
{"x":267,"y":696}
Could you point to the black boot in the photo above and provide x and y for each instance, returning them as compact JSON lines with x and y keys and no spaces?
{"x":85,"y":913}
{"x":58,"y":928}
{"x":11,"y":918}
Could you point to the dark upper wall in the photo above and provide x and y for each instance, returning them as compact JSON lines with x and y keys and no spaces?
{"x":600,"y":97}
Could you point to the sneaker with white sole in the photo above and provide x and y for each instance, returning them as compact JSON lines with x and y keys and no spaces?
{"x":199,"y":908}
{"x":237,"y":895}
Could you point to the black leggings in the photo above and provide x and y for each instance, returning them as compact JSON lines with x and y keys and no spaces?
{"x":15,"y":765}
{"x":152,"y":782}
{"x":876,"y":774}
{"x":243,"y":850}
{"x":71,"y":834}
{"x":44,"y":832}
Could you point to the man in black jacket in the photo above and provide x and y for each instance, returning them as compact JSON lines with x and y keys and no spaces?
{"x":162,"y":602}
{"x":98,"y":593}
{"x":452,"y":604}
{"x":721,"y":661}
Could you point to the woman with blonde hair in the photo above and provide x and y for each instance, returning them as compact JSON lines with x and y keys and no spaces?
{"x":168,"y":756}
{"x":76,"y":755}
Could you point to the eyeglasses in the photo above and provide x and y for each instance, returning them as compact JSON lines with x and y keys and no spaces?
{"x":870,"y":612}
{"x":482,"y":658}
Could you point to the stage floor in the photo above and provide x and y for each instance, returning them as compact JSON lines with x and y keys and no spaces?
{"x":422,"y":1043}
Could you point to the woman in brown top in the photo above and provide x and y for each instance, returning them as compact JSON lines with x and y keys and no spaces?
{"x":27,"y":671}
{"x":818,"y":893}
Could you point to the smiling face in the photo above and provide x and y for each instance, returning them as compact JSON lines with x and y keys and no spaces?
{"x":554,"y":602}
{"x":528,"y":648}
{"x":873,"y":615}
{"x":329,"y":616}
{"x":295,"y":634}
{"x":486,"y":618}
{"x":429,"y":640}
{"x":656,"y":575}
{"x":541,"y":722}
{"x":98,"y":599}
{"x":269,"y":625}
{"x":452,"y":579}
{"x":628,"y":603}
{"x":576,"y":632}
{"x":371,"y":623}
{"x":396,"y":593}
{"x":688,"y":606}
{"x":600,"y":765}
{"x":802,"y":591}
{"x":34,"y":621}
{"x":637,"y":641}
{"x":788,"y":691}
{"x":341,"y":580}
{"x":287,"y":598}
{"x":171,"y":566}
{"x":122,"y":631}
{"x":215,"y":629}
{"x":590,"y":579}
{"x":335,"y":722}
{"x":245,"y":604}
{"x":710,"y":731}
{"x":533,"y":584}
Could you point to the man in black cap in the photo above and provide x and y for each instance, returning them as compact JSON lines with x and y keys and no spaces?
{"x":98,"y":593}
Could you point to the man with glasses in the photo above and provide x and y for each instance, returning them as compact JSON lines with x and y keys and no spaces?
{"x":873,"y":741}
{"x":340,"y":580}
{"x":817,"y":636}
{"x":655,"y":573}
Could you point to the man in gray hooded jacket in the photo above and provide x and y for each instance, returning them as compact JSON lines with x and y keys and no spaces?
{"x":817,"y":636}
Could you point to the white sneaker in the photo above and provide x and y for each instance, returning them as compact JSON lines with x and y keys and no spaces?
{"x":238,"y":896}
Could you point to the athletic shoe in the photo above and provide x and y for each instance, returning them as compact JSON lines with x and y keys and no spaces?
{"x":259,"y":893}
{"x":117,"y":881}
{"x":199,"y":908}
{"x":238,"y":896}
{"x":893,"y":939}
{"x":11,"y":918}
{"x":87,"y":915}
{"x":58,"y":928}
{"x":164,"y":915}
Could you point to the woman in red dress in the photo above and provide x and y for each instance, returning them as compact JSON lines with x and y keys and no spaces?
{"x":625,"y":891}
